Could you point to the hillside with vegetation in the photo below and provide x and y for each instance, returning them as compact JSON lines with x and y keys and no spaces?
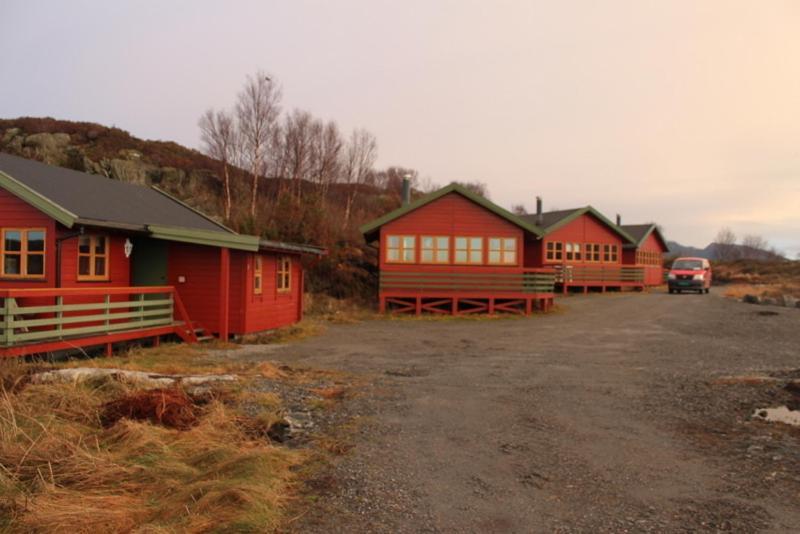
{"x":317,"y":198}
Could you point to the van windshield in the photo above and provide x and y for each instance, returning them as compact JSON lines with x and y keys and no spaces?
{"x":688,"y":265}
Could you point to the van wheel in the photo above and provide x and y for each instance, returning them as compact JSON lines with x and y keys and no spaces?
{"x":671,"y":291}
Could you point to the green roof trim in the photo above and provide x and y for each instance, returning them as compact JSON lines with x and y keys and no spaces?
{"x":188,"y":207}
{"x":590,"y":210}
{"x":280,"y":246}
{"x":369,"y":228}
{"x":645,"y":235}
{"x":38,"y":201}
{"x":204,"y":237}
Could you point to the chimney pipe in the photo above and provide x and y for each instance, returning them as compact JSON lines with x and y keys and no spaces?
{"x":539,"y":217}
{"x":406,"y":191}
{"x":619,"y":219}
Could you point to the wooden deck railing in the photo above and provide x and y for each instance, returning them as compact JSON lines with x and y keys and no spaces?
{"x":43,"y":316}
{"x":599,"y":274}
{"x":535,"y":281}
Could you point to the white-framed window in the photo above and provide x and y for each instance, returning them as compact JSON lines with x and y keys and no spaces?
{"x":502,"y":251}
{"x":435,"y":249}
{"x":469,"y":250}
{"x":401,"y":249}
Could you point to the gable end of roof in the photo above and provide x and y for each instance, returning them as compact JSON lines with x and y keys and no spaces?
{"x":369,"y":229}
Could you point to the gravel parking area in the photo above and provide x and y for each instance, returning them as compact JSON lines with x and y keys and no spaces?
{"x":615,"y":414}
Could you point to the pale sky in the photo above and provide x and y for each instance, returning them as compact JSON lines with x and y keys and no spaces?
{"x":684,"y":112}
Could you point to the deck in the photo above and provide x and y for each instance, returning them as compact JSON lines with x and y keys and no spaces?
{"x":599,"y":276}
{"x":457,"y":293}
{"x":40,"y":321}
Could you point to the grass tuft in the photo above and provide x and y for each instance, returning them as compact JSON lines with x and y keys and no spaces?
{"x":61,"y":470}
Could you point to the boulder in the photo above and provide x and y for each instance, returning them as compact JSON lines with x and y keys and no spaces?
{"x":125,"y":170}
{"x":10,"y":134}
{"x":48,"y":147}
{"x":789,"y":301}
{"x":130,"y":154}
{"x":769,"y":301}
{"x":47,"y":141}
{"x":751,"y":299}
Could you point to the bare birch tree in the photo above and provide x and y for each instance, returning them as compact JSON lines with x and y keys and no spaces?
{"x":360,"y":155}
{"x":725,"y":245}
{"x":297,"y":145}
{"x":221,"y":142}
{"x":257,"y":109}
{"x":326,"y":154}
{"x":755,"y":243}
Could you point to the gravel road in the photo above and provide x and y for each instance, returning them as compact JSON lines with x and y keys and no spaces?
{"x":606,"y":416}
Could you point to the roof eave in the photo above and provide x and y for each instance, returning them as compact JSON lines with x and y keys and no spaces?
{"x":97,"y":223}
{"x":37,"y":200}
{"x":278,"y":246}
{"x":196,"y":211}
{"x":204,"y":237}
{"x":370,"y":229}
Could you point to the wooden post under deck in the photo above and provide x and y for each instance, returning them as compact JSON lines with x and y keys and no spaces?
{"x":224,"y":293}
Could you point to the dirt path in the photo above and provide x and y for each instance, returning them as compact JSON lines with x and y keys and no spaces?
{"x":600,"y":418}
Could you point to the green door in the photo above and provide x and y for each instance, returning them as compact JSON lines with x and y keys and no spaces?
{"x":149,"y":262}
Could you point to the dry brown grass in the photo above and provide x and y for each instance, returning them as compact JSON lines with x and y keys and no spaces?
{"x":762,"y":290}
{"x":324,"y":308}
{"x":62,"y":471}
{"x":331,"y":393}
{"x":303,"y":329}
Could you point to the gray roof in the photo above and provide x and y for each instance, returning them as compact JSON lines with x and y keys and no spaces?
{"x":549,"y":218}
{"x":637,"y":231}
{"x":641,"y":231}
{"x":103,"y":200}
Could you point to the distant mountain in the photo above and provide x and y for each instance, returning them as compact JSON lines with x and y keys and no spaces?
{"x":712,"y":252}
{"x":676,"y":249}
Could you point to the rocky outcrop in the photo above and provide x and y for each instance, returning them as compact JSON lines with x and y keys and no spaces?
{"x":200,"y":187}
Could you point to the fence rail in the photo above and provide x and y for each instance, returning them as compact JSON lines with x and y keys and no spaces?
{"x":528,"y":281}
{"x":599,"y":273}
{"x":31,"y":316}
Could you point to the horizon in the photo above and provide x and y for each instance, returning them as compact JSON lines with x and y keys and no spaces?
{"x":682,"y":114}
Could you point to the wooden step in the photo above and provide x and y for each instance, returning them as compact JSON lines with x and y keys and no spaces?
{"x":202,"y":339}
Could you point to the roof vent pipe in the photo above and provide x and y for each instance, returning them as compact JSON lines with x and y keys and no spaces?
{"x":619,"y":219}
{"x":539,"y":217}
{"x":406,"y":191}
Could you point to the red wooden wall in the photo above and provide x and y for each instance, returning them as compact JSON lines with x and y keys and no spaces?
{"x":653,"y":274}
{"x":451,"y":215}
{"x":252,"y":312}
{"x":200,"y":268}
{"x":119,"y":266}
{"x":16,"y":213}
{"x":585,"y":229}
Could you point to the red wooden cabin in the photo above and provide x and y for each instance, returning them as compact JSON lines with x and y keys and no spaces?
{"x":85,"y":260}
{"x":456,"y":252}
{"x":646,"y":252}
{"x":585,"y":249}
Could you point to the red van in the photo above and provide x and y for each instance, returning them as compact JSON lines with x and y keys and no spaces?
{"x":689,"y":274}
